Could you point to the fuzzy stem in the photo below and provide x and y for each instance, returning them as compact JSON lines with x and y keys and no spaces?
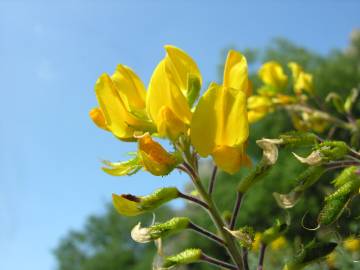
{"x":216,"y":217}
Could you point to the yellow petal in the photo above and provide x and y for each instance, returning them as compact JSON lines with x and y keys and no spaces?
{"x":98,"y":118}
{"x":130,"y":87}
{"x":254,"y":116}
{"x":180,"y":65}
{"x":163,"y":91}
{"x":271,"y":73}
{"x":304,"y":82}
{"x":127,"y":205}
{"x":119,"y":120}
{"x":236,"y":72}
{"x":230,"y":159}
{"x":169,"y":125}
{"x":220,"y":119}
{"x":259,"y":103}
{"x":154,"y":157}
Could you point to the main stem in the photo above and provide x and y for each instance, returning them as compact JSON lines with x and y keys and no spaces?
{"x":218,"y":221}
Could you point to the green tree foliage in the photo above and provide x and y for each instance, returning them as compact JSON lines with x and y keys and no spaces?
{"x":105,"y":244}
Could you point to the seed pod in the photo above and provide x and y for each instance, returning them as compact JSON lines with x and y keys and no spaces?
{"x":336,"y":202}
{"x":186,"y":257}
{"x":345,"y":176}
{"x":298,"y":138}
{"x":312,"y":252}
{"x":332,"y":210}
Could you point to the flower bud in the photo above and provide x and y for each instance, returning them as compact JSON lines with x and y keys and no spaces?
{"x":174,"y":225}
{"x":130,"y":205}
{"x":154,"y":157}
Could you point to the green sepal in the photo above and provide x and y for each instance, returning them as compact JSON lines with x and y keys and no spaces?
{"x":312,"y":252}
{"x":332,"y":150}
{"x":186,"y":257}
{"x":194,"y":87}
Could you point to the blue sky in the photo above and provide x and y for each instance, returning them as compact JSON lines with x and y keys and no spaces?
{"x":50,"y":58}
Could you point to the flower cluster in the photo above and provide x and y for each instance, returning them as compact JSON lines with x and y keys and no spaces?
{"x":170,"y":109}
{"x":215,"y":123}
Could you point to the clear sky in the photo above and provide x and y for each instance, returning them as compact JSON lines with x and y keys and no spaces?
{"x":50,"y":58}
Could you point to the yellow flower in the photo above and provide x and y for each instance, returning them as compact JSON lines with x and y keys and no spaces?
{"x":258,"y":107}
{"x":331,"y":259}
{"x":257,"y":242}
{"x":220,"y":127}
{"x":352,"y":244}
{"x":271,"y":73}
{"x":278,"y":243}
{"x":166,"y":102}
{"x":236,"y":73}
{"x":122,"y":104}
{"x":302,"y":81}
{"x":154,"y":157}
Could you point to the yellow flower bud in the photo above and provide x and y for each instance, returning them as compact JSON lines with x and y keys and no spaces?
{"x":154,"y":157}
